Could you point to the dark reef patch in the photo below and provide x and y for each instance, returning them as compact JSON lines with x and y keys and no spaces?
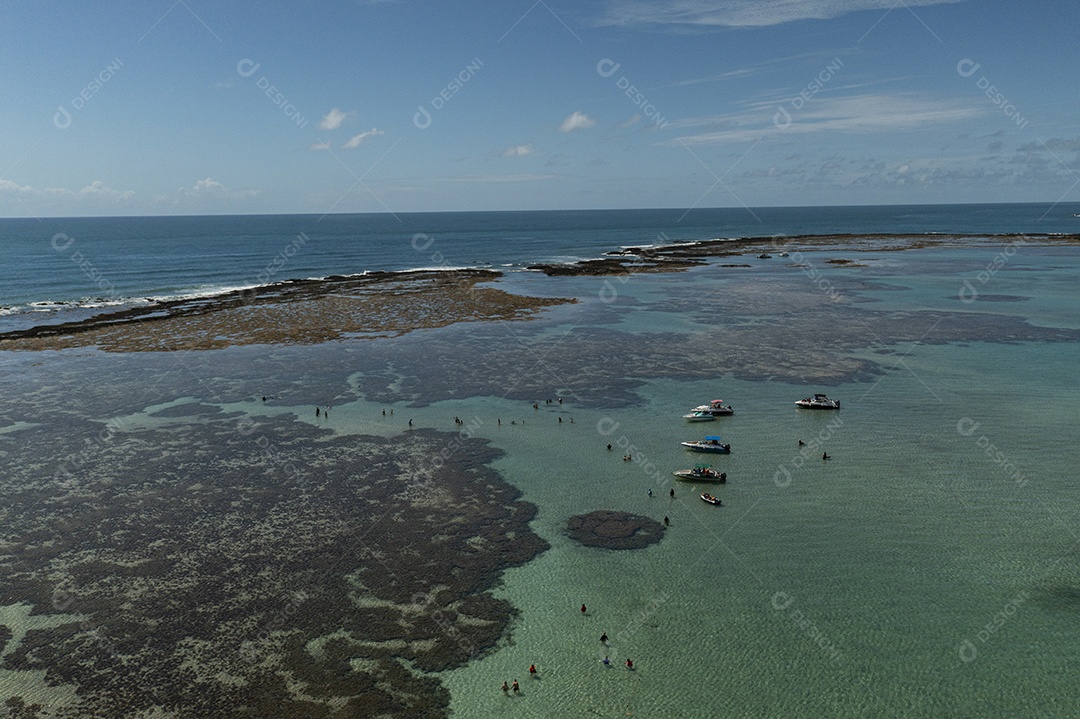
{"x":615,"y":266}
{"x":240,"y":568}
{"x":293,"y":312}
{"x":609,"y":529}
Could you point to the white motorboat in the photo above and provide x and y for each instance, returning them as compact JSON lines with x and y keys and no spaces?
{"x":699,"y":416}
{"x":701,"y":473}
{"x":709,"y":444}
{"x":716,"y":408}
{"x":818,"y":401}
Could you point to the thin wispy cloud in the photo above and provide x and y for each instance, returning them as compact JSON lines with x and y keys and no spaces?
{"x":744,"y":13}
{"x":517,"y":151}
{"x":358,"y":140}
{"x":856,"y":114}
{"x":770,"y":65}
{"x":95,"y":191}
{"x":495,"y":178}
{"x":333,"y":119}
{"x":319,"y":146}
{"x":576,"y":121}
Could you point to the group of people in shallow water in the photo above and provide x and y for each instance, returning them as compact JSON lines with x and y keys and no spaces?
{"x":517,"y":687}
{"x":606,"y":661}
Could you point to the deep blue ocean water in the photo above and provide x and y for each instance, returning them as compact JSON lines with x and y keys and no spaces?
{"x":90,"y":262}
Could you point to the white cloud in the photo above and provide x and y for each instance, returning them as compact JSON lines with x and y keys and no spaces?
{"x":358,"y":140}
{"x":211,"y":188}
{"x":319,"y":146}
{"x":517,"y":151}
{"x":632,"y":120}
{"x":207,"y":185}
{"x":333,"y":119}
{"x":576,"y":121}
{"x":98,"y":190}
{"x":745,"y":13}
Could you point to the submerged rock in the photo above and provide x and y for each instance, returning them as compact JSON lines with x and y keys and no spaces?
{"x":614,"y":530}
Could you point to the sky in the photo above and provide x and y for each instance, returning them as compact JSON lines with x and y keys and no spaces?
{"x":171,"y":107}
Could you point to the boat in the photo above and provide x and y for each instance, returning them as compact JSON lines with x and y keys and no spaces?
{"x":764,"y":256}
{"x":818,"y":401}
{"x":716,"y":408}
{"x":712,"y":499}
{"x":699,"y":416}
{"x":782,"y":254}
{"x":709,"y":444}
{"x":701,"y":473}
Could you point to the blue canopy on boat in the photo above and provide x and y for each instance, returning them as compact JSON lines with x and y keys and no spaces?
{"x":712,"y":439}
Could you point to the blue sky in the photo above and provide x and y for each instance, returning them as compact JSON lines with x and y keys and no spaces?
{"x":194,"y":107}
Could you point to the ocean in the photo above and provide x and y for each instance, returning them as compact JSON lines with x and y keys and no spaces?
{"x":928,"y":569}
{"x":65,"y":264}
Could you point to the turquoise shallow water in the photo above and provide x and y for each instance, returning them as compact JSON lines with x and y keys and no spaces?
{"x":928,"y":569}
